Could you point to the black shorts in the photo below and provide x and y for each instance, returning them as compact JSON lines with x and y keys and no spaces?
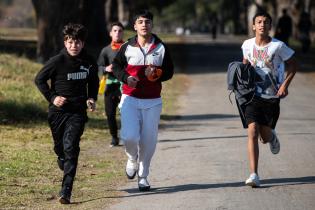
{"x":263,"y":111}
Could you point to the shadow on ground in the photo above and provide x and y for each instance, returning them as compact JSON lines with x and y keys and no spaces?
{"x":14,"y":113}
{"x":202,"y":138}
{"x":195,"y":58}
{"x":20,"y":115}
{"x":266,"y":183}
{"x":197,"y":117}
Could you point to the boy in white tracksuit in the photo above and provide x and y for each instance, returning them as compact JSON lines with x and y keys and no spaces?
{"x":141,"y":104}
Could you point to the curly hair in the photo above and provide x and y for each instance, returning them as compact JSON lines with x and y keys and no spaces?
{"x":74,"y":31}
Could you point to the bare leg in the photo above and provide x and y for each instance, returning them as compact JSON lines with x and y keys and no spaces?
{"x":265,"y":133}
{"x":253,"y":148}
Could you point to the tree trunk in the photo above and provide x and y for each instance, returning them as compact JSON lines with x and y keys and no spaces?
{"x":252,"y":9}
{"x":111,"y":11}
{"x":236,"y":18}
{"x":123,"y":12}
{"x":93,"y":17}
{"x":51,"y":16}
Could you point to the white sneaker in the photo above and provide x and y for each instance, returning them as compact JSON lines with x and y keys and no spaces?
{"x":143,"y":184}
{"x":131,"y":169}
{"x":274,"y":143}
{"x":253,"y":180}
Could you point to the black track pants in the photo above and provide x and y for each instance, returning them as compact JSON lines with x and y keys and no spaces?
{"x":67,"y":129}
{"x":111,"y":100}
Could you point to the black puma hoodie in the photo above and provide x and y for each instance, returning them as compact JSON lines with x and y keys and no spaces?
{"x":73,"y":77}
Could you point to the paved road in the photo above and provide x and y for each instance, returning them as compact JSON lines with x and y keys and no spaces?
{"x":201,"y":158}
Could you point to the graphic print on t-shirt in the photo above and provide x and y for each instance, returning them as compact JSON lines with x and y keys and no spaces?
{"x":269,"y":63}
{"x":266,"y":83}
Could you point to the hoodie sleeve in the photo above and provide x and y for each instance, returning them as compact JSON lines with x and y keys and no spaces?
{"x":167,"y":66}
{"x":102,"y":60}
{"x":93,"y":82}
{"x":120,"y":63}
{"x":42,"y":77}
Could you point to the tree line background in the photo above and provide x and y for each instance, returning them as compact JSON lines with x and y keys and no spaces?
{"x":49,"y":17}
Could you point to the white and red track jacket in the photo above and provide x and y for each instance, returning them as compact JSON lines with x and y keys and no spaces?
{"x":132,"y":61}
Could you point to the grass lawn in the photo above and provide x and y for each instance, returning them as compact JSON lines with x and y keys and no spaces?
{"x":29,"y":176}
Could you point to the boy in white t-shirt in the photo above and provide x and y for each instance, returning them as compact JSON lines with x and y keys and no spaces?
{"x":269,"y":57}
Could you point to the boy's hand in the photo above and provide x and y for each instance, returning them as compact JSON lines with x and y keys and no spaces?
{"x":59,"y":101}
{"x":149,"y":70}
{"x":282,"y":92}
{"x":109,"y":68}
{"x":132,"y":81}
{"x":153,"y":73}
{"x":91,"y":104}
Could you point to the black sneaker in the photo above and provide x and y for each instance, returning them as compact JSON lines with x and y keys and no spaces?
{"x":65,"y":195}
{"x":61,"y":163}
{"x":64,"y":199}
{"x":115,"y":142}
{"x":143,"y":184}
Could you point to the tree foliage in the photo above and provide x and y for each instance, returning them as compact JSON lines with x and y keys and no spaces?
{"x":233,"y":17}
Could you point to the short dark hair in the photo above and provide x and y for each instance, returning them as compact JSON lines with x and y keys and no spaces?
{"x":284,"y":11}
{"x":74,"y":31}
{"x":143,"y":13}
{"x":116,"y":24}
{"x":264,"y":14}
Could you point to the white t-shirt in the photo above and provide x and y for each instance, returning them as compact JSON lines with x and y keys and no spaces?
{"x":268,"y":61}
{"x":147,"y":47}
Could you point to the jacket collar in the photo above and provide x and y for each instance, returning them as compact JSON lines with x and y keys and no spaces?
{"x":134,"y":41}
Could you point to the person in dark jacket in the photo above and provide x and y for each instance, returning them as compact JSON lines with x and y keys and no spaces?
{"x":112,"y":92}
{"x":142,"y":64}
{"x":284,"y":27}
{"x":73,"y":88}
{"x":305,"y":26}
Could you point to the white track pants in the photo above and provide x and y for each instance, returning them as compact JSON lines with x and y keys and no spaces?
{"x":139,"y":129}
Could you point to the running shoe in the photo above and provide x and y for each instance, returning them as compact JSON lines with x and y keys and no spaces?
{"x":65,"y":195}
{"x":131,"y":168}
{"x":143,"y":184}
{"x":253,"y":180}
{"x":274,"y":143}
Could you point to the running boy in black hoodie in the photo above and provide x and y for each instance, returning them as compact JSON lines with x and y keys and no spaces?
{"x":73,"y":88}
